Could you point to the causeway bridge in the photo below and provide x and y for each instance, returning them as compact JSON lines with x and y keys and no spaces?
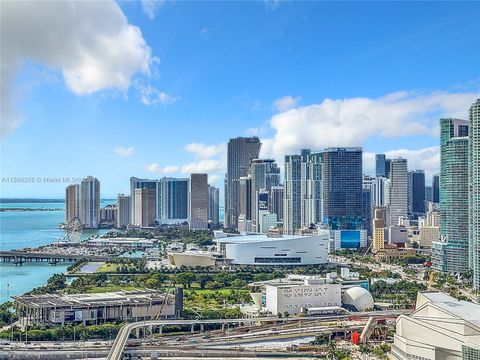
{"x":18,"y":257}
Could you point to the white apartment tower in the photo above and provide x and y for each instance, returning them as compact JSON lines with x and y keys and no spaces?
{"x":90,"y":202}
{"x":398,"y":202}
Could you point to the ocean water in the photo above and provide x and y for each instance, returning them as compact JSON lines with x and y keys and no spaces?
{"x":20,"y":229}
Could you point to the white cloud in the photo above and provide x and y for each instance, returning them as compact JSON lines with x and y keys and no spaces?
{"x":203,"y":166}
{"x":286,"y":103}
{"x":150,"y":7}
{"x":151,"y":96}
{"x":213,"y":179}
{"x":156,"y":168}
{"x":203,"y":152}
{"x":350,"y":122}
{"x":90,"y":42}
{"x":124,"y":152}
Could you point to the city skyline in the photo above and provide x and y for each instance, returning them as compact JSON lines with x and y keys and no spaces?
{"x":171,"y":83}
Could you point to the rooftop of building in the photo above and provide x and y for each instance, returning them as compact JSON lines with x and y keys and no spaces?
{"x":296,"y":280}
{"x":252,"y":238}
{"x":135,"y":297}
{"x":459,"y":308}
{"x":195,"y":253}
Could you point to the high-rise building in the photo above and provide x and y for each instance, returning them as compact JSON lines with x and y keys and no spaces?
{"x":378,"y":231}
{"x":450,"y":255}
{"x":267,"y":221}
{"x":245,"y":199}
{"x":387,"y":167}
{"x":292,"y":196}
{"x":90,"y":202}
{"x":213,"y":205}
{"x":342,"y":188}
{"x":368,"y":185}
{"x":108,"y":214}
{"x":302,"y":191}
{"x":264,"y":174}
{"x":428,"y":194}
{"x":172,"y":200}
{"x":262,"y":201}
{"x":72,"y":202}
{"x":436,"y":188}
{"x":474,"y":193}
{"x":380,"y":165}
{"x":123,"y":211}
{"x":367,"y":210}
{"x":136,"y":183}
{"x":240,"y":152}
{"x":312,"y":188}
{"x":381,"y":187}
{"x":398,"y":202}
{"x":416,"y":192}
{"x":343,"y":205}
{"x":198,"y":214}
{"x":145,"y":207}
{"x":276,"y":201}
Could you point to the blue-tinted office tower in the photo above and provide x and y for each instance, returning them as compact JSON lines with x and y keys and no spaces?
{"x":380,"y":165}
{"x":342,"y":188}
{"x":418,"y":192}
{"x":343,"y":205}
{"x":173,"y":196}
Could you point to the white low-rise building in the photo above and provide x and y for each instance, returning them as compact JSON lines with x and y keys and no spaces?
{"x":440,"y":328}
{"x":262,"y":249}
{"x":303,"y":293}
{"x":293,"y":298}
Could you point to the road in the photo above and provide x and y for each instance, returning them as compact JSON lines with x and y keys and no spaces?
{"x":124,"y":333}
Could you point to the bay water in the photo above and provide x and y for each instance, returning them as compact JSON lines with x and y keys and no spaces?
{"x":33,"y":228}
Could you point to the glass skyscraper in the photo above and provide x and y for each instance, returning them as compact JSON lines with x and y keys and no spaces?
{"x":342,"y":188}
{"x":474,"y":192}
{"x":380,"y":169}
{"x":302,"y":190}
{"x":398,"y":192}
{"x":450,"y":255}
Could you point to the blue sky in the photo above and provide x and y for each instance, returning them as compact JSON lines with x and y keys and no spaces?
{"x":165,"y":85}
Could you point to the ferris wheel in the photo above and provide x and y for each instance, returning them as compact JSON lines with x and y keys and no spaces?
{"x":73,"y":230}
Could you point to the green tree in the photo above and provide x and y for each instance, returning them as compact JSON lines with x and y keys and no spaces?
{"x":185,"y":278}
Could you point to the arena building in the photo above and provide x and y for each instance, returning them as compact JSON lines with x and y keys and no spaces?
{"x":269,"y":249}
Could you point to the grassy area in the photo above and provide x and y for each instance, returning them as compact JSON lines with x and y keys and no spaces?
{"x":107,"y":268}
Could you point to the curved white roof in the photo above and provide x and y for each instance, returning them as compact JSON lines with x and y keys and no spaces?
{"x":358,"y":297}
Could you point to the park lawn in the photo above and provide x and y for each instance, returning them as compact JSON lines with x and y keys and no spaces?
{"x":107,"y":268}
{"x":222,"y":291}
